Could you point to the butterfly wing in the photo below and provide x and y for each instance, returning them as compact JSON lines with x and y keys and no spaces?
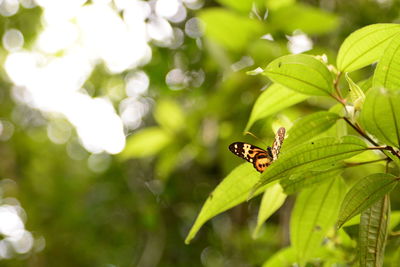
{"x":260,"y":158}
{"x":276,"y":146}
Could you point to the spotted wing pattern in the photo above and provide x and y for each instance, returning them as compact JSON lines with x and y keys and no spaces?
{"x":276,"y":146}
{"x":259,"y":157}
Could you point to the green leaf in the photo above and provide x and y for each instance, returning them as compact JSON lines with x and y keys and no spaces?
{"x":381,"y":115}
{"x":169,"y":115}
{"x":302,"y":73}
{"x":373,"y":233}
{"x":353,"y":221}
{"x":313,"y":215}
{"x":303,"y":17}
{"x":365,"y":46}
{"x":146,"y":142}
{"x":310,"y":127}
{"x":272,"y":200}
{"x":229,"y":29}
{"x":275,"y":98}
{"x":296,"y":183}
{"x":357,"y":95}
{"x":364,"y":193}
{"x":387,"y":74}
{"x":284,"y":257}
{"x":311,"y":156}
{"x":366,"y":84}
{"x":232,"y":191}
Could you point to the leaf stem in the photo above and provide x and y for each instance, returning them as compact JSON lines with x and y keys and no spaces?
{"x":353,"y":164}
{"x":388,"y":148}
{"x":376,"y":146}
{"x":360,"y":131}
{"x":336,"y":85}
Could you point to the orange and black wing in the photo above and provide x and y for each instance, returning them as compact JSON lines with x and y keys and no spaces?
{"x":260,"y":158}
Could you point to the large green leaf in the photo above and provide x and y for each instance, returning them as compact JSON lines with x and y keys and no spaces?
{"x":373,"y":233}
{"x":296,"y":183}
{"x":381,"y":115}
{"x":303,"y":17}
{"x":316,"y":155}
{"x":229,"y":29}
{"x":366,"y":84}
{"x":387,"y":73}
{"x":313,"y":215}
{"x":365,"y":46}
{"x":146,"y":142}
{"x":275,"y":98}
{"x":364,"y":193}
{"x":302,"y":73}
{"x":310,"y":127}
{"x":272,"y":200}
{"x":233,"y":190}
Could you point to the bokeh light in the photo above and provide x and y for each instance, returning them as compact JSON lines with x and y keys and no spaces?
{"x":15,"y":238}
{"x":51,"y":75}
{"x":299,"y":43}
{"x":13,"y":40}
{"x":9,"y":7}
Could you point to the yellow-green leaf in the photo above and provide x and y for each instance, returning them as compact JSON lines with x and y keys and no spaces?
{"x":373,"y":233}
{"x":284,"y":257}
{"x":364,"y":193}
{"x":387,"y":74}
{"x":310,"y":127}
{"x":272,"y":200}
{"x":357,"y":95}
{"x":381,"y":115}
{"x":232,"y":191}
{"x":365,"y":46}
{"x":313,"y":215}
{"x":302,"y":73}
{"x":275,"y":98}
{"x":315,"y":155}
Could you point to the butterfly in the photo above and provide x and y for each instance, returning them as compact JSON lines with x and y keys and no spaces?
{"x":260,"y":158}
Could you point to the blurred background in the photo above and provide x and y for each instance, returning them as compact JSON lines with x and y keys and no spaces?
{"x":115,"y":118}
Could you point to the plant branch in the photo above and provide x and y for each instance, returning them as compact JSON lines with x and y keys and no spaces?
{"x":336,"y":86}
{"x":388,"y":148}
{"x":360,"y":131}
{"x":376,"y":146}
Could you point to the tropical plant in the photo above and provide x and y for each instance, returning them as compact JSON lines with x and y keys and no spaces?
{"x":361,"y":127}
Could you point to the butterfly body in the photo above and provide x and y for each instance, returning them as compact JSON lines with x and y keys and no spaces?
{"x":259,"y":157}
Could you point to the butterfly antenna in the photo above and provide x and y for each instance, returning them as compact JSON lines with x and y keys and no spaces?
{"x":249,"y":133}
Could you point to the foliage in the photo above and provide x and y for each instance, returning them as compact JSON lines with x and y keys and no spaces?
{"x":329,"y":199}
{"x":305,"y":154}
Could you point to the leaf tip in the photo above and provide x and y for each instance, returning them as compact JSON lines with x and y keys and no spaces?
{"x":256,"y":232}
